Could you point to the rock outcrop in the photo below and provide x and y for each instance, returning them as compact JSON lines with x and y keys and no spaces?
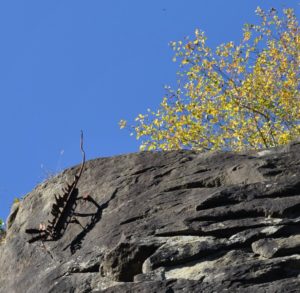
{"x":177,"y":221}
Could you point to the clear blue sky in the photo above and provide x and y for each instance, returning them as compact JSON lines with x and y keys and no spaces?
{"x":71,"y":65}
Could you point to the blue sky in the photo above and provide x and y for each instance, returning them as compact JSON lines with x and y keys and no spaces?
{"x":71,"y":65}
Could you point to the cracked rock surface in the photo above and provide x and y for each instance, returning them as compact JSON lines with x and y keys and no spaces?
{"x":177,"y":221}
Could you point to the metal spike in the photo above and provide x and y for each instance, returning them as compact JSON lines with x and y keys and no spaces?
{"x":32,"y":231}
{"x":60,"y":204}
{"x":51,"y":222}
{"x":54,"y":213}
{"x":57,"y":198}
{"x":49,"y":229}
{"x":65,"y":196}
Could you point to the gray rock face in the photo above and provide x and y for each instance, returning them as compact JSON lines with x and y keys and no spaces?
{"x":177,"y":221}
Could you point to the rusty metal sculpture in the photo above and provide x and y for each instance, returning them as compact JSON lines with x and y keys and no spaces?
{"x":62,"y":209}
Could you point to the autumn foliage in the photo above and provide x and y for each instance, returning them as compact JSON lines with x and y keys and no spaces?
{"x":236,"y":97}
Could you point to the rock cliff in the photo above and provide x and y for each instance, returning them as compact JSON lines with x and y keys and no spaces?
{"x":177,"y":221}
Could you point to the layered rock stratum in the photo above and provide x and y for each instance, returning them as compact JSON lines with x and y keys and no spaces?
{"x":177,"y":221}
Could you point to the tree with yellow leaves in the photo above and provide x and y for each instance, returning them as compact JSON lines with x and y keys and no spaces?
{"x":237,"y":97}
